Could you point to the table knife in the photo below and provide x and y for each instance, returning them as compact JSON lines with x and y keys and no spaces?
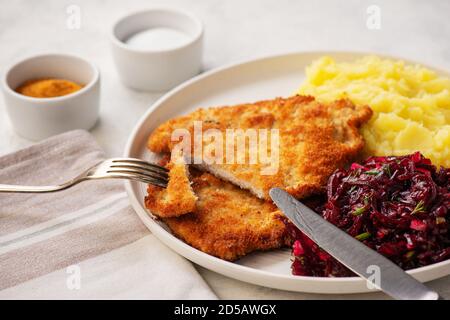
{"x":351,"y":252}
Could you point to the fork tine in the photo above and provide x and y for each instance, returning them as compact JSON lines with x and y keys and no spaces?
{"x":134,"y":170}
{"x":142,"y":178}
{"x":139,"y":169}
{"x":130,"y":161}
{"x":137,"y":172}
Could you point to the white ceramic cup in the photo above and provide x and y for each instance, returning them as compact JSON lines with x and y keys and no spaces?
{"x":39,"y":118}
{"x":157,"y":70}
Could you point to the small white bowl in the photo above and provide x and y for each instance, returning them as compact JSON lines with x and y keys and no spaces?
{"x":39,"y":118}
{"x":163,"y":69}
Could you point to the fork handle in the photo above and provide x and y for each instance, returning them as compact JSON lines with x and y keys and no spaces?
{"x":33,"y":189}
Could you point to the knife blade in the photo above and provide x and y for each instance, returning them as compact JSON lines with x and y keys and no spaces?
{"x":351,"y":252}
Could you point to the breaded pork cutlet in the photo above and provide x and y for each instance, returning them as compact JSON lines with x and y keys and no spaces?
{"x":314,"y":140}
{"x":227,"y":222}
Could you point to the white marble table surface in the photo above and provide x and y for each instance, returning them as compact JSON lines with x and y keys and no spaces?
{"x":234,"y":30}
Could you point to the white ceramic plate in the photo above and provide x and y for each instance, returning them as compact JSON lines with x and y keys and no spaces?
{"x":244,"y":82}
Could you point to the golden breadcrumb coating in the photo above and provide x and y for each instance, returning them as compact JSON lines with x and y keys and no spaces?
{"x":228,"y":222}
{"x":315,"y":139}
{"x":177,"y":199}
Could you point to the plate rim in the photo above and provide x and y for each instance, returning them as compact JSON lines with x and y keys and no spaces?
{"x":355,"y":284}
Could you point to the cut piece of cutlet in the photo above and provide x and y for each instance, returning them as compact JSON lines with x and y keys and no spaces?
{"x":178,"y":198}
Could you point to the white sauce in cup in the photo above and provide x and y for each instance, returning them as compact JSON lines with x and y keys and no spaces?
{"x":157,"y":39}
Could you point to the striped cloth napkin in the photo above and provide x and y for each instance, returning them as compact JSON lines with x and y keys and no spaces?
{"x":84,"y":242}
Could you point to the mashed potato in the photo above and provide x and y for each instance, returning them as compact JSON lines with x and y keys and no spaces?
{"x":411,"y":104}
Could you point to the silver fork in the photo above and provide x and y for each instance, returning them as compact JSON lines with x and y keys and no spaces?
{"x":116,"y":168}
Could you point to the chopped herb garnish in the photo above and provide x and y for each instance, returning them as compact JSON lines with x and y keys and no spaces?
{"x":387,"y":168}
{"x":359,"y":211}
{"x":352,"y":189}
{"x":420,"y":207}
{"x":363,"y":236}
{"x":372,"y":172}
{"x":409,"y":254}
{"x":366,"y":200}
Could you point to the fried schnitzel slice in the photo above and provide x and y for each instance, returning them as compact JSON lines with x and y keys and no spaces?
{"x":314,"y":140}
{"x":228,"y":222}
{"x":178,"y":198}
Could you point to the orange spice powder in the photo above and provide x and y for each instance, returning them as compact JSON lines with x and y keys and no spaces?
{"x":48,"y":88}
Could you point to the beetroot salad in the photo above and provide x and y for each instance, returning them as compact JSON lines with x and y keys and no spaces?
{"x":398,"y":206}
